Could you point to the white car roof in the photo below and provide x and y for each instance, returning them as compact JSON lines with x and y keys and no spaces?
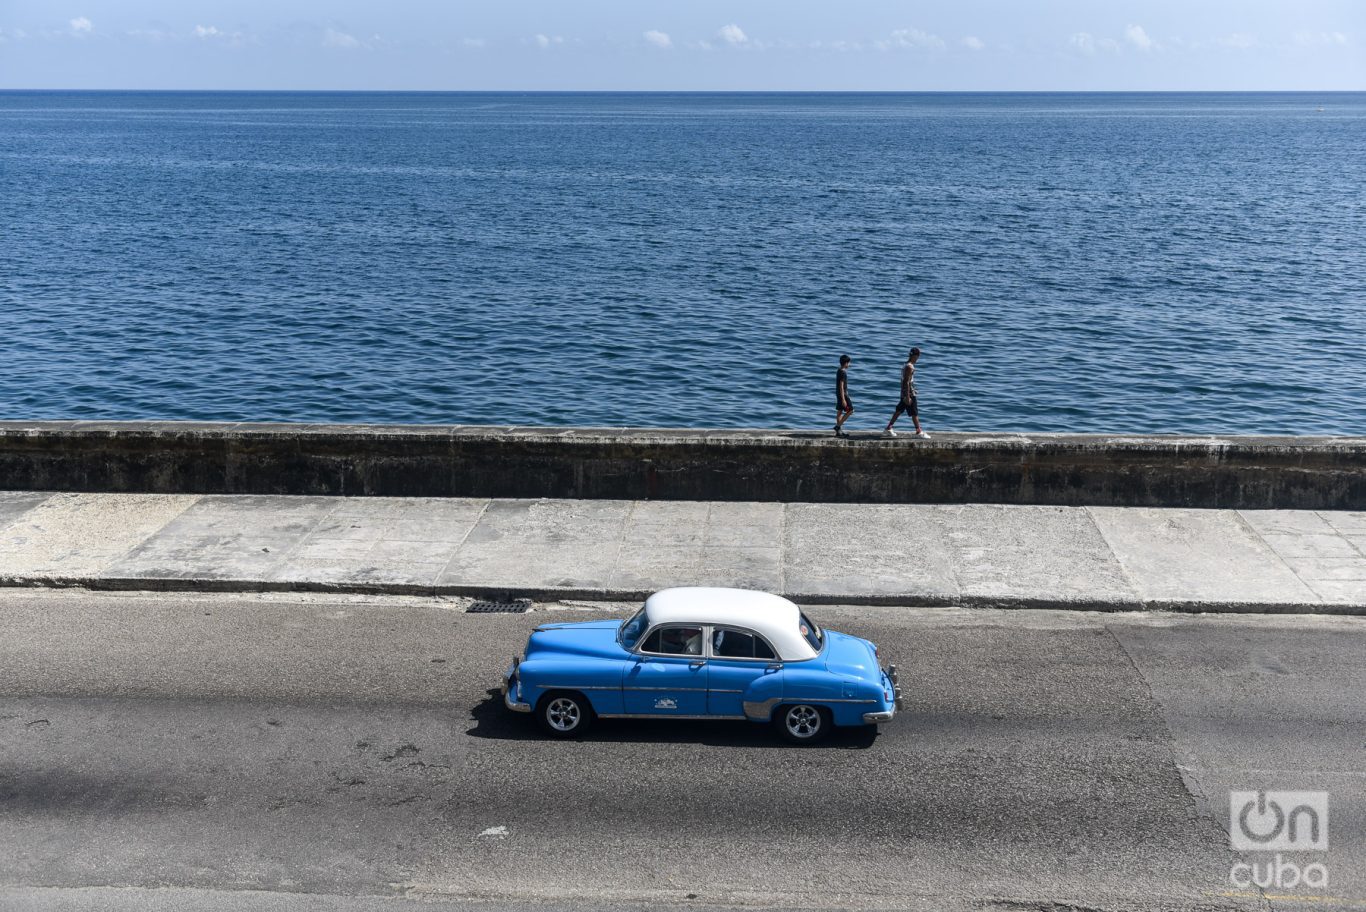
{"x":771,"y":616}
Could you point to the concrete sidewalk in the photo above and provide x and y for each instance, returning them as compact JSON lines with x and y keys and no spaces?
{"x":1109,"y":558}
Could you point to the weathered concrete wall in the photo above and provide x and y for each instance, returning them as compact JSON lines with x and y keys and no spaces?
{"x":440,"y":461}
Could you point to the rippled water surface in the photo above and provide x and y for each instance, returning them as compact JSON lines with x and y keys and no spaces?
{"x":1182,"y":263}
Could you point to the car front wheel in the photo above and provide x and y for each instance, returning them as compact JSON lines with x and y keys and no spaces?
{"x":564,"y":715}
{"x":802,"y":723}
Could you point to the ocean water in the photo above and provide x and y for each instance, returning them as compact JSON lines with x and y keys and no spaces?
{"x":1158,"y":263}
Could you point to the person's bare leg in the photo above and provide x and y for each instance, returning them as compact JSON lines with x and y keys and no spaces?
{"x":915,"y":417}
{"x":895,"y":415}
{"x":840,"y":418}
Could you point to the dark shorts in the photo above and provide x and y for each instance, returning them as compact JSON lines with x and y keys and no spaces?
{"x":846,"y":406}
{"x":909,"y":406}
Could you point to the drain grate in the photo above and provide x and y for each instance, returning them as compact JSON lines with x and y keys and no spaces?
{"x":511,"y":606}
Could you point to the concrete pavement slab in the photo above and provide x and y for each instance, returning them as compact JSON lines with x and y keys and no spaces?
{"x":1345,"y":522}
{"x":14,"y":504}
{"x":980,"y":555}
{"x":1287,"y":522}
{"x":710,"y":545}
{"x":82,"y":534}
{"x":1198,"y":556}
{"x":226,"y":538}
{"x":541,"y":543}
{"x":391,"y":541}
{"x":867,"y":550}
{"x":1314,"y":546}
{"x":1032,"y":553}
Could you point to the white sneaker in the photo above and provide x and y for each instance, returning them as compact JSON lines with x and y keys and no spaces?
{"x":889,"y":433}
{"x":922,"y":435}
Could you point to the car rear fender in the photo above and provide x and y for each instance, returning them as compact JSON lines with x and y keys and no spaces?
{"x":763,"y":694}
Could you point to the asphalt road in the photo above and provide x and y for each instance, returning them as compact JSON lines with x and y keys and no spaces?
{"x":291,"y":753}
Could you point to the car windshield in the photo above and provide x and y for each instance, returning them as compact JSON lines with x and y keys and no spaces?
{"x":632,"y":629}
{"x":812,"y":633}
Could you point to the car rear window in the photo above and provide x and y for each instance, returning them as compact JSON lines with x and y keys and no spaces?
{"x":813,"y":634}
{"x":733,"y":644}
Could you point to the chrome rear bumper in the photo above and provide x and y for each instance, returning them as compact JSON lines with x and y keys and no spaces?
{"x":873,"y":718}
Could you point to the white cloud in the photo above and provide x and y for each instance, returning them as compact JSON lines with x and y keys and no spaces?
{"x":659,"y":39}
{"x":206,"y":31}
{"x":1240,"y":40}
{"x":912,"y":38}
{"x":82,"y":26}
{"x":545,"y":41}
{"x":473,"y":42}
{"x":732,"y":34}
{"x":1089,"y":44}
{"x":337,"y":39}
{"x":1321,"y":39}
{"x":972,"y":43}
{"x":1136,"y":36}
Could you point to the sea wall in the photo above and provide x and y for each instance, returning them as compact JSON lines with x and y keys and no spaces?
{"x":456,"y":461}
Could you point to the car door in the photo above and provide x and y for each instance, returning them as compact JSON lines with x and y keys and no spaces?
{"x":669,"y":675}
{"x":738,"y":657}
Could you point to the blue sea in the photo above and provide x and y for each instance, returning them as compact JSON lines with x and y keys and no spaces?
{"x":1067,"y":262}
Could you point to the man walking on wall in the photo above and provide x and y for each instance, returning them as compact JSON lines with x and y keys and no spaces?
{"x":907,"y":403}
{"x":844,"y":406}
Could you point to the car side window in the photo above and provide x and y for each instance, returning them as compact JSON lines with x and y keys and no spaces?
{"x":674,"y":640}
{"x":733,"y":644}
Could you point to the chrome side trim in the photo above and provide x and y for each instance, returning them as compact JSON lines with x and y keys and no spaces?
{"x":577,"y":687}
{"x":718,"y":690}
{"x":679,"y":689}
{"x":662,"y":716}
{"x":760,"y":710}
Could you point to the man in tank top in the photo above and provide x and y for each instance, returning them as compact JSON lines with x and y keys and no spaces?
{"x":908,"y":401}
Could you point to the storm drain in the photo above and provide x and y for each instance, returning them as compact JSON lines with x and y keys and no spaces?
{"x":511,"y":606}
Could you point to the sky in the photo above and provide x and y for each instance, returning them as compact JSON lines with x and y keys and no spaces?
{"x":705,"y":45}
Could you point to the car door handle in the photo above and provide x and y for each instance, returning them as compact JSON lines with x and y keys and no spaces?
{"x":697,"y":663}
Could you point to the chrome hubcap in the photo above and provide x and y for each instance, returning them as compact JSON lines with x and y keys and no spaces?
{"x":562,"y":714}
{"x":803,"y":721}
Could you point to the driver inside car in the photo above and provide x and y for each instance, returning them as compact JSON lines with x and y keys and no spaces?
{"x":682,"y":640}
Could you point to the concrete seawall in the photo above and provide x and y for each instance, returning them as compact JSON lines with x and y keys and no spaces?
{"x":635,"y":464}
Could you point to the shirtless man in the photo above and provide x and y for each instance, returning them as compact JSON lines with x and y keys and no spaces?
{"x":907,"y":403}
{"x":844,"y":406}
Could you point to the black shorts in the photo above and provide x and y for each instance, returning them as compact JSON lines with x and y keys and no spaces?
{"x":909,"y":406}
{"x":845,"y":406}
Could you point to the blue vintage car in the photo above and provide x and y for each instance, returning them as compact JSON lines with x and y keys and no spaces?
{"x":697,"y":653}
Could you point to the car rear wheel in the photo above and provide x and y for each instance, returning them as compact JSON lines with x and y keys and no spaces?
{"x":802,"y":723}
{"x":564,"y":714}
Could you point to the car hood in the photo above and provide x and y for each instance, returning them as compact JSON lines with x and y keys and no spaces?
{"x":851,"y":656}
{"x":587,"y":638}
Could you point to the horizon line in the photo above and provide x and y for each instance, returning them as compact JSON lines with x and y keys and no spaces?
{"x":710,"y":91}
